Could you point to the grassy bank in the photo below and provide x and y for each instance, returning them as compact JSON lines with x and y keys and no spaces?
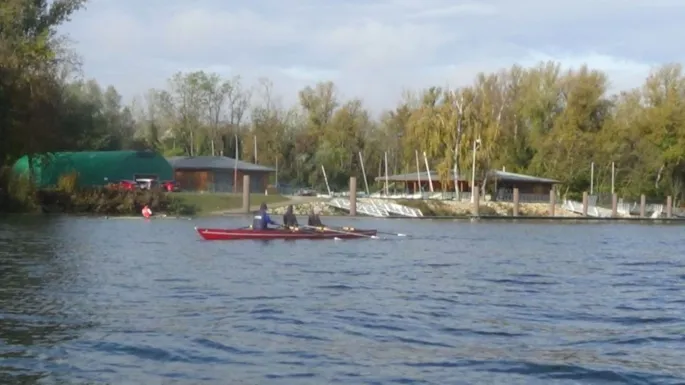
{"x":208,"y":203}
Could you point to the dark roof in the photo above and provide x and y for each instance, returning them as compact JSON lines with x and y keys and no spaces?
{"x":214,"y":163}
{"x":502,"y":176}
{"x":410,"y":177}
{"x":513,"y":177}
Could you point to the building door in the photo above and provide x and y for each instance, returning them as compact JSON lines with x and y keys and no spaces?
{"x":257,"y":183}
{"x":223,"y":181}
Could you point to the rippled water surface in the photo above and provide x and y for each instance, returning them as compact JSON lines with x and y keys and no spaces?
{"x":147,"y":302}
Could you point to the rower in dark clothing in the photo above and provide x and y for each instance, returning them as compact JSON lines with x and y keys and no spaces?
{"x":289,"y":218}
{"x":262,"y":220}
{"x":314,"y":219}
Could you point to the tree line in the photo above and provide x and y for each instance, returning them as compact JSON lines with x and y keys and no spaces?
{"x":545,"y":120}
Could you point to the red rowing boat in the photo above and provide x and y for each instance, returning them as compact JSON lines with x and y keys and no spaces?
{"x":238,"y":234}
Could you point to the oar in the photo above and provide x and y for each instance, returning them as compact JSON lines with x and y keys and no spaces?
{"x":396,"y":234}
{"x":344,"y":232}
{"x":351,"y":233}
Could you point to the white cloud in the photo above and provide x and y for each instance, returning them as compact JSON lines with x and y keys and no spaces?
{"x":372,"y":49}
{"x":457,"y":10}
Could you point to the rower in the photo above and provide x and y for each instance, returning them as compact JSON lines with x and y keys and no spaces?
{"x":314,"y":219}
{"x":262,"y":220}
{"x":289,"y":218}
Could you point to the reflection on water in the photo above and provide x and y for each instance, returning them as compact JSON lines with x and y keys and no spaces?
{"x":146,"y":302}
{"x":36,"y":317}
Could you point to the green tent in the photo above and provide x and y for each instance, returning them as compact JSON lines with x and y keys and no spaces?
{"x":96,"y":168}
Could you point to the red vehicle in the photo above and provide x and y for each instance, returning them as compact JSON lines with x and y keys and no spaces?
{"x":244,"y":234}
{"x":128,"y":185}
{"x":170,"y":186}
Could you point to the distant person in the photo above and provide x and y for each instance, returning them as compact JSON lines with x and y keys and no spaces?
{"x":314,"y":219}
{"x":289,"y":218}
{"x":262,"y":220}
{"x":147,"y":213}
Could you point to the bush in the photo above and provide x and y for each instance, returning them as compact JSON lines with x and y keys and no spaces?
{"x":68,"y":183}
{"x":16,"y":193}
{"x":105,"y":201}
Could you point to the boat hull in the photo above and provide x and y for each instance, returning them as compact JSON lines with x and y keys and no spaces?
{"x":245,"y":234}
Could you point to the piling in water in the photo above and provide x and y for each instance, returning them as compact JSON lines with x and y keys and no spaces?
{"x":353,"y":196}
{"x":669,"y":207}
{"x":246,"y":194}
{"x":516,"y":202}
{"x":585,"y":203}
{"x":476,"y":202}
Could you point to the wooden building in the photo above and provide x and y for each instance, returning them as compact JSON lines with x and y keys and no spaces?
{"x":500,"y":184}
{"x":218,"y":174}
{"x":531,"y":188}
{"x":414,"y":183}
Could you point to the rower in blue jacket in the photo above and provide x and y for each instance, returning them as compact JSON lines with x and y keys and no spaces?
{"x":262,"y":220}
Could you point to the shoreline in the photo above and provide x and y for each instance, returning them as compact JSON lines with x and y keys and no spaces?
{"x":493,"y":218}
{"x":455,"y":218}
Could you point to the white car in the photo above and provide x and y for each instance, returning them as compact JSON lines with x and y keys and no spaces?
{"x":146,"y":183}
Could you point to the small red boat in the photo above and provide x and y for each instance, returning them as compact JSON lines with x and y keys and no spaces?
{"x":239,"y":234}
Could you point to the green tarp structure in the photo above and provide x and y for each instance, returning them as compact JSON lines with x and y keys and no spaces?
{"x":95,"y":168}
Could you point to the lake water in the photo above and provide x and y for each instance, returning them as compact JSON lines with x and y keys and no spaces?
{"x":124,"y":301}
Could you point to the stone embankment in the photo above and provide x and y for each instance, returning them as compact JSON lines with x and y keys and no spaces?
{"x":443,"y":208}
{"x":304,"y":208}
{"x":505,"y":209}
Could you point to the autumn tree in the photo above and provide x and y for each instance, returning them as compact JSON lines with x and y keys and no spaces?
{"x":543,"y":120}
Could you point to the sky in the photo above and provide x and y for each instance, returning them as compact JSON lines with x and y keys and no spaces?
{"x":371,"y":49}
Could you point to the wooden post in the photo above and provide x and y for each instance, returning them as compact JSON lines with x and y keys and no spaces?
{"x":614,"y":205}
{"x":669,"y":207}
{"x":246,"y":194}
{"x":643,"y":206}
{"x":476,"y":202}
{"x":552,"y":201}
{"x":516,"y":202}
{"x":585,"y":203}
{"x":353,"y":196}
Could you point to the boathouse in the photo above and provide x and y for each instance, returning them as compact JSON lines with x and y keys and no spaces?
{"x":218,"y":174}
{"x":501,"y":184}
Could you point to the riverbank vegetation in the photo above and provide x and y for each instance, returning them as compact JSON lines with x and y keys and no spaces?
{"x":544,"y":120}
{"x":68,"y":197}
